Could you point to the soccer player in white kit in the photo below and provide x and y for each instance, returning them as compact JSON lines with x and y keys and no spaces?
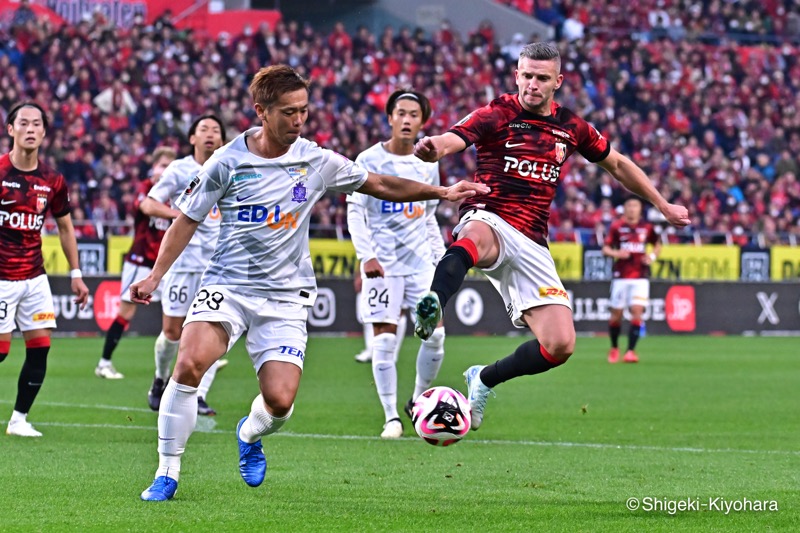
{"x":206,"y":134}
{"x":398,"y":244}
{"x":260,"y":280}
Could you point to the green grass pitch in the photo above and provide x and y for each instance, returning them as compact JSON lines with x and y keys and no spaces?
{"x":700,"y":419}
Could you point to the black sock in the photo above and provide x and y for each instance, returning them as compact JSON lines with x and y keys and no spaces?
{"x":450,"y":273}
{"x":633,"y":335}
{"x":31,"y":377}
{"x":113,"y":335}
{"x":526,"y":360}
{"x":613,"y":332}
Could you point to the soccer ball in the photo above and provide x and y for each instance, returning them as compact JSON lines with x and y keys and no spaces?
{"x":441,"y":416}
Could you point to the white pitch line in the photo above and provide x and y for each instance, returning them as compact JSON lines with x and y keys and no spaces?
{"x":550,"y":444}
{"x":90,"y":406}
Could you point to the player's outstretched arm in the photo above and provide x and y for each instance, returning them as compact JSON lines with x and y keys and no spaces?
{"x":175,"y":241}
{"x":432,"y":149}
{"x":396,"y":189}
{"x":635,"y":180}
{"x":66,"y":234}
{"x":154,"y":208}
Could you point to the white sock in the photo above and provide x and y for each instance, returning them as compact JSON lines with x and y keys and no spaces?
{"x":260,"y":422}
{"x":429,"y":361}
{"x":16,"y":416}
{"x":401,"y":333}
{"x":384,"y":371}
{"x":104,"y":363}
{"x":369,"y":334}
{"x":208,"y":379}
{"x":165,"y":351}
{"x":176,"y":420}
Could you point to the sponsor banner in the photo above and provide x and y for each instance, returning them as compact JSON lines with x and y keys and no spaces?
{"x":91,"y":254}
{"x":477,"y":309}
{"x":596,"y":266}
{"x":333,"y":258}
{"x":101,"y":309}
{"x":568,"y":257}
{"x":686,"y":262}
{"x":118,"y":246}
{"x":121,"y":13}
{"x":756,"y":265}
{"x":785,"y":263}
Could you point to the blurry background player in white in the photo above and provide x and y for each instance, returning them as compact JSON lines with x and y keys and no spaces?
{"x":398,"y":244}
{"x":365,"y":355}
{"x":148,"y":232}
{"x":627,"y":242}
{"x":260,"y":280}
{"x":180,"y":285}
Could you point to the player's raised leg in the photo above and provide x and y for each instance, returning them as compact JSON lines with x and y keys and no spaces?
{"x":477,"y":245}
{"x":555,"y":341}
{"x":202,"y":344}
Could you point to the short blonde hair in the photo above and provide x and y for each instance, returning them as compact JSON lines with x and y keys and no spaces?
{"x":271,"y":82}
{"x":164,"y":151}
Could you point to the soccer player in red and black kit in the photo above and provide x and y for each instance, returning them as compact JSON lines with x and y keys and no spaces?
{"x":28,"y":189}
{"x":627,"y":242}
{"x":521,"y":139}
{"x":148,"y":232}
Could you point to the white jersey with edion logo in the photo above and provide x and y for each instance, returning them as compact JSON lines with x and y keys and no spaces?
{"x":266,"y":206}
{"x":170,"y":187}
{"x":397,"y":230}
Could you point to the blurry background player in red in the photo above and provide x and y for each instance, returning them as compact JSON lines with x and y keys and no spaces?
{"x":28,"y":189}
{"x":148,"y":232}
{"x":626,"y":243}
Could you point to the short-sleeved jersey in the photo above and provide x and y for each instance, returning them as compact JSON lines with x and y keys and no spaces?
{"x":148,"y":232}
{"x":634,"y":238}
{"x":266,"y":206}
{"x":25,"y":197}
{"x":170,"y":187}
{"x":519,"y":155}
{"x":397,"y":230}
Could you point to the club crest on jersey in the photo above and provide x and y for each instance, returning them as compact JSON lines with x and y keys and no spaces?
{"x":299,"y":193}
{"x":561,"y":152}
{"x":41,"y":204}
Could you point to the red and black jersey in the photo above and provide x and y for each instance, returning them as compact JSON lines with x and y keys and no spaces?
{"x":634,"y":238}
{"x":148,"y":232}
{"x":519,"y":155}
{"x":25,"y":198}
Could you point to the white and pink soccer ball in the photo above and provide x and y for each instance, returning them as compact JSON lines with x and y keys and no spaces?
{"x":441,"y":416}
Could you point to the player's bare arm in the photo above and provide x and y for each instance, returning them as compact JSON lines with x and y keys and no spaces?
{"x":432,"y":149}
{"x":635,"y":180}
{"x":153,"y":208}
{"x":66,"y":234}
{"x":175,"y":241}
{"x":396,"y":189}
{"x":615,"y":253}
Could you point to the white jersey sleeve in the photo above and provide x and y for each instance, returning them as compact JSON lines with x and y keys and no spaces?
{"x":173,"y":182}
{"x":266,"y":206}
{"x":397,"y":230}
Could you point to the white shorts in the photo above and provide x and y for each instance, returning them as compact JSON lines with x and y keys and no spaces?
{"x":276,"y":331}
{"x":524,"y":273}
{"x":28,"y":302}
{"x":628,"y":292}
{"x":132,"y":273}
{"x":179,"y":289}
{"x":383,"y":299}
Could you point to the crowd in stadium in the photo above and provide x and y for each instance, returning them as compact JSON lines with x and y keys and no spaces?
{"x":714,"y":122}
